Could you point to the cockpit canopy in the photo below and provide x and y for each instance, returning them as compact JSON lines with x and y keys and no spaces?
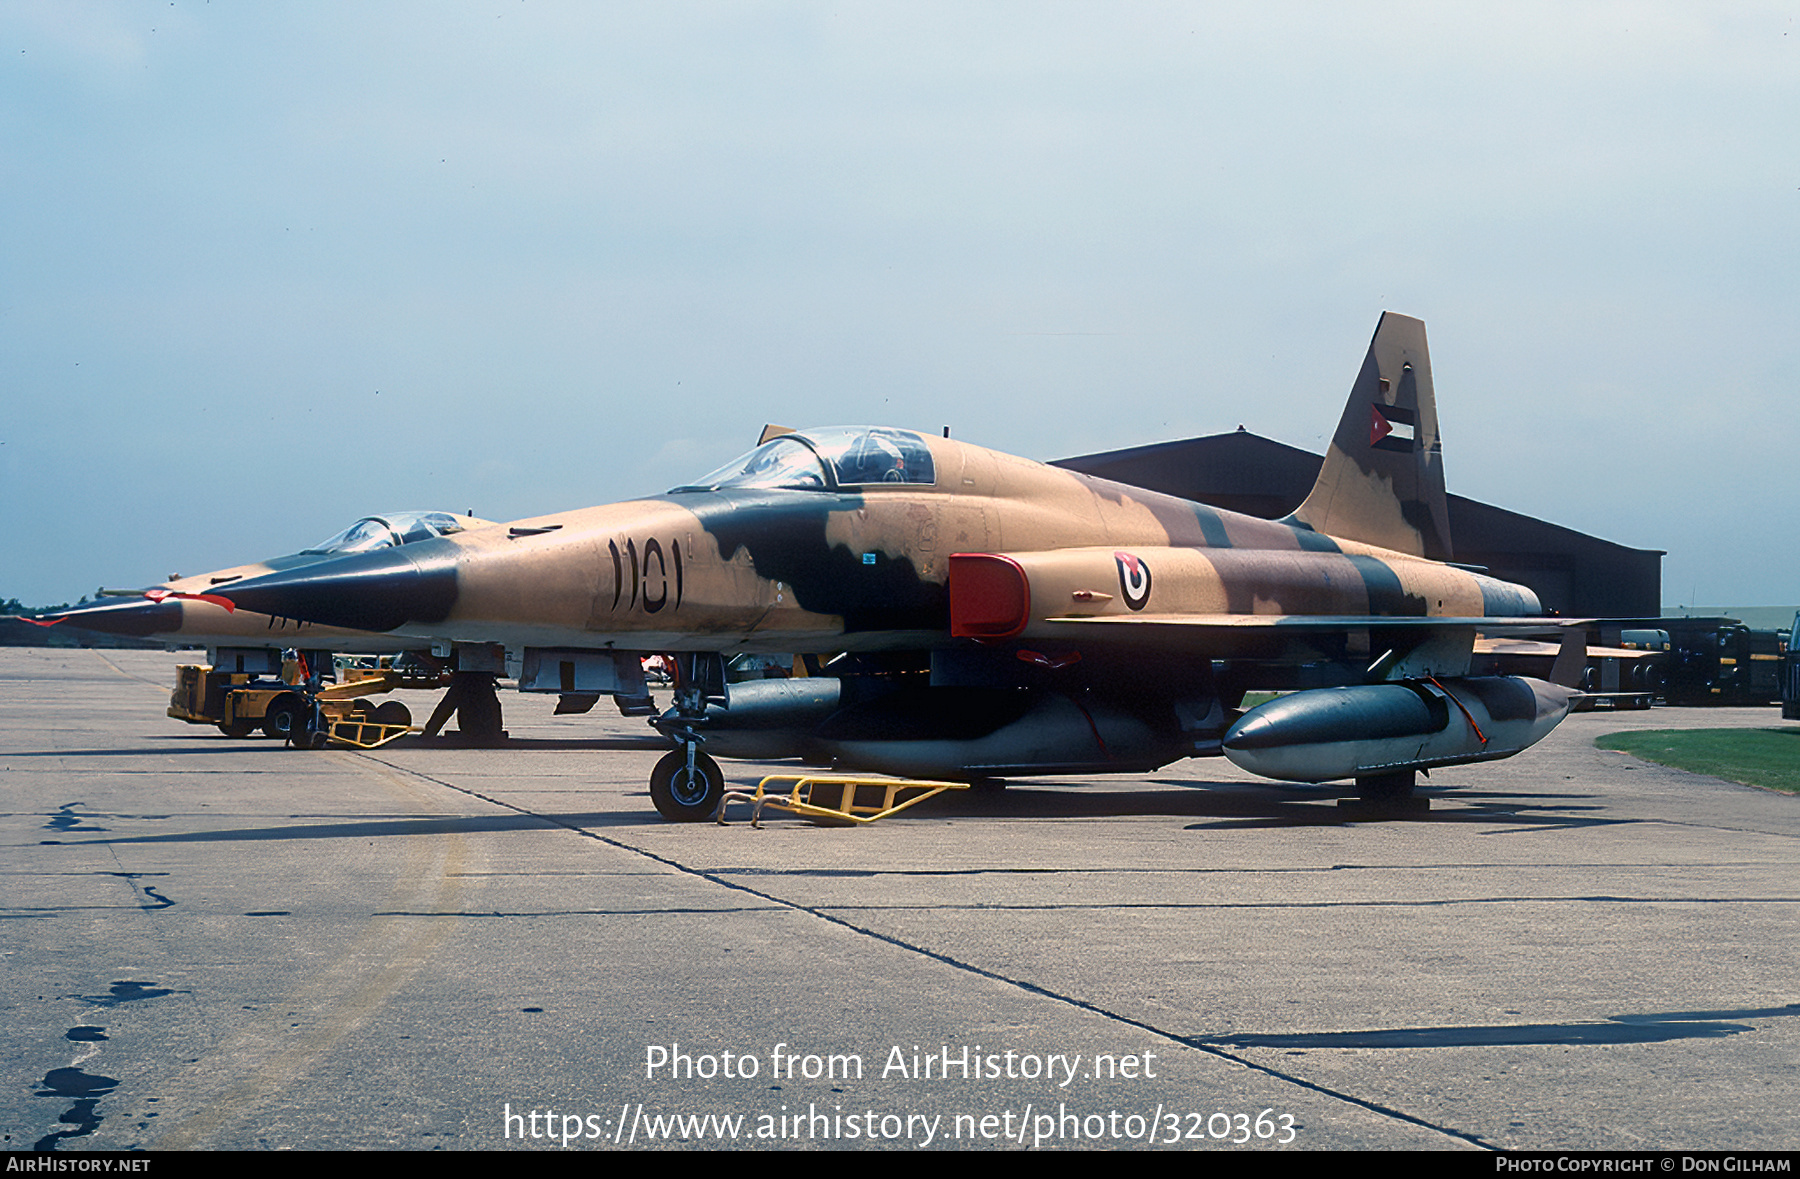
{"x":393,"y":528}
{"x":826,"y":459}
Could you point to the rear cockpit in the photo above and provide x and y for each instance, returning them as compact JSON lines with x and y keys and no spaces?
{"x":827,"y":459}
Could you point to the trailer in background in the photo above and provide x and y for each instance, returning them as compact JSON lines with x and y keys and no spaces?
{"x":247,"y":690}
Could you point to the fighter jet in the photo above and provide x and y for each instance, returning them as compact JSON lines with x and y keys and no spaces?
{"x":190,"y":610}
{"x":967,"y":614}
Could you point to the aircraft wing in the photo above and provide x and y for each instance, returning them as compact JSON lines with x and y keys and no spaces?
{"x":1187,"y":594}
{"x":1445,"y":642}
{"x":1516,"y":645}
{"x":1356,"y":609}
{"x":1238,"y":623}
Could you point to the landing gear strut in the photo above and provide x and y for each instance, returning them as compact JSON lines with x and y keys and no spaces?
{"x":686,"y":785}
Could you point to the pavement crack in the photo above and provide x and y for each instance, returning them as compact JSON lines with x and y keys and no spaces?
{"x":1189,"y":1042}
{"x":690,"y":910}
{"x":1437,"y":903}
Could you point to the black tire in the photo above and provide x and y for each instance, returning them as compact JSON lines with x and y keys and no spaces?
{"x":683,"y":797}
{"x":282,"y":716}
{"x":307,"y":737}
{"x":237,"y":728}
{"x":392,"y":712}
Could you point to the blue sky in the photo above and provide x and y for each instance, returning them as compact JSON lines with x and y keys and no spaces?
{"x":265,"y":268}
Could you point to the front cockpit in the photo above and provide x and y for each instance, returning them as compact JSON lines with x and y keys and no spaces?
{"x":827,"y":459}
{"x":390,"y":529}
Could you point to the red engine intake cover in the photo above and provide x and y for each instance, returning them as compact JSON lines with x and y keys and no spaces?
{"x":989,"y":596}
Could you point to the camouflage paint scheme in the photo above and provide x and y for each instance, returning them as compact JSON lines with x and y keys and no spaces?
{"x":966,"y":591}
{"x":189,"y":610}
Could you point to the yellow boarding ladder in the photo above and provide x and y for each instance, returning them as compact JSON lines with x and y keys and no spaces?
{"x":835,"y":799}
{"x":366,"y":734}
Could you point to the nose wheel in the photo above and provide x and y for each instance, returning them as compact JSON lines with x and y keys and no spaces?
{"x":686,"y":786}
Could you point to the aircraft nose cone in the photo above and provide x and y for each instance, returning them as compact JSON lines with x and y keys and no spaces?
{"x":376,"y":591}
{"x":133,"y":617}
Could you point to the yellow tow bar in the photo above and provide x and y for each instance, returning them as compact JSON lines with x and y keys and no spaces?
{"x":835,"y":799}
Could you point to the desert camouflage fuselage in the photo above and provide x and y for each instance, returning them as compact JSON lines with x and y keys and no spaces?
{"x":866,"y":568}
{"x":190,"y":611}
{"x":974,"y":613}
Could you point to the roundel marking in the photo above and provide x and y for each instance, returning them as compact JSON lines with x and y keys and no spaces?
{"x":1134,"y":579}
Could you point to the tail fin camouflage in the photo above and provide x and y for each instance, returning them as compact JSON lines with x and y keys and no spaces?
{"x":1383,"y":478}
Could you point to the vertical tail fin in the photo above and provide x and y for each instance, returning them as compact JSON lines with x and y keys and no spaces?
{"x":1383,"y":478}
{"x":1571,"y":659}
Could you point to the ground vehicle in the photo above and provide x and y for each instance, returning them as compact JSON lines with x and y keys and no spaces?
{"x":1625,"y":668}
{"x":1790,"y":673}
{"x":282,"y":700}
{"x":1722,"y":661}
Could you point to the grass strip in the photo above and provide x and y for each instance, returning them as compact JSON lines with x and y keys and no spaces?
{"x":1769,"y":758}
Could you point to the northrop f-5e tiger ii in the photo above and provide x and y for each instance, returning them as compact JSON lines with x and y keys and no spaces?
{"x":968,"y":614}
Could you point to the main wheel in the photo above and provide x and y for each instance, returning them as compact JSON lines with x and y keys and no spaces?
{"x":392,"y":712}
{"x":686,"y":795}
{"x":237,"y":728}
